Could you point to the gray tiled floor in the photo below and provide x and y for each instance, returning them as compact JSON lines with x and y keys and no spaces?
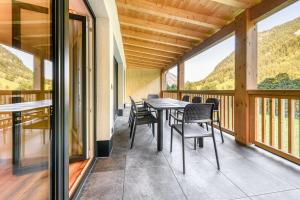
{"x":143,"y":173}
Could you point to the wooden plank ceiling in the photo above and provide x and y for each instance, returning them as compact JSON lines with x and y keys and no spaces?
{"x":156,"y":32}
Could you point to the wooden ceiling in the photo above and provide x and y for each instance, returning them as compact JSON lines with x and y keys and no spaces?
{"x":156,"y":32}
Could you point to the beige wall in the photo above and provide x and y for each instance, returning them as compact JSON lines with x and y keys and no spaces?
{"x":109,"y":44}
{"x":141,"y":82}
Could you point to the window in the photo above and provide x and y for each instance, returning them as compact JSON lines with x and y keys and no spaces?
{"x":278,"y":55}
{"x":212,"y":69}
{"x":171,"y":78}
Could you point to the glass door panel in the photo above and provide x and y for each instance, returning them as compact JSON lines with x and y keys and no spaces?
{"x":25,"y":104}
{"x":77,"y":132}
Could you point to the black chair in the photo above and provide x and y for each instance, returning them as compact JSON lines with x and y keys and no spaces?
{"x":153,"y":96}
{"x":186,"y":98}
{"x":189,"y":128}
{"x":197,"y":99}
{"x":140,"y":109}
{"x":216,"y":110}
{"x":142,"y":118}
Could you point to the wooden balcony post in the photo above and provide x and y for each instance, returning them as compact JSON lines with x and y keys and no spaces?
{"x":180,"y":78}
{"x":245,"y":75}
{"x":162,"y":82}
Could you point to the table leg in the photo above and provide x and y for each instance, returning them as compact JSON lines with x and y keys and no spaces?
{"x":167,"y":114}
{"x":201,"y":142}
{"x":16,"y":136}
{"x":160,"y":130}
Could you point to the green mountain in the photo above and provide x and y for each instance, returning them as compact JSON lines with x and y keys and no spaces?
{"x":14,"y":75}
{"x":278,"y":62}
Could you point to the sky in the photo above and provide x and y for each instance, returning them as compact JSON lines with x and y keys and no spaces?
{"x":200,"y":66}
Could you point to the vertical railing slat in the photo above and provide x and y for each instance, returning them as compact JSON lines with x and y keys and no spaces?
{"x":272,"y":121}
{"x":263,"y":120}
{"x":280,"y":124}
{"x":291,"y":117}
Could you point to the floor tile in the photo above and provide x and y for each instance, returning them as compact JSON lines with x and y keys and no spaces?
{"x":110,"y":164}
{"x":252,"y":179}
{"x":152,"y":183}
{"x":203,"y":181}
{"x":104,"y":186}
{"x":286,"y":195}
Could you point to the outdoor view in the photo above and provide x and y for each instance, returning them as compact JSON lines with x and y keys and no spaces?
{"x":278,"y":57}
{"x":17,"y":68}
{"x":171,"y":78}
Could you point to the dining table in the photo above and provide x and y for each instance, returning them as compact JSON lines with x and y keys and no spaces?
{"x":160,"y":105}
{"x":16,"y":109}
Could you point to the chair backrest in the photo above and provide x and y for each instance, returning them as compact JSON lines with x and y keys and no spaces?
{"x":214,"y":101}
{"x":153,"y":96}
{"x":186,"y":98}
{"x":198,"y":112}
{"x":197,"y":100}
{"x":133,"y":105}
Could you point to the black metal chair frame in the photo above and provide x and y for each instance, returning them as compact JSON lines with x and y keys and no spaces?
{"x":141,"y":108}
{"x":140,"y":118}
{"x":216,"y":110}
{"x":194,"y":114}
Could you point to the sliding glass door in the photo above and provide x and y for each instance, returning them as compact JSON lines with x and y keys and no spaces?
{"x":26,"y":56}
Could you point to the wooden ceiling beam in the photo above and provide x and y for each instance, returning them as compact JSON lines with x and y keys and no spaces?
{"x":144,"y":64}
{"x":172,"y":13}
{"x":156,"y":39}
{"x":153,"y":46}
{"x":136,"y":66}
{"x":150,"y":52}
{"x":144,"y":60}
{"x":141,"y":55}
{"x":162,"y":28}
{"x":234,"y":3}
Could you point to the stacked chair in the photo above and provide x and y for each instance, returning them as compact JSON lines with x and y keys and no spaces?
{"x":140,"y":115}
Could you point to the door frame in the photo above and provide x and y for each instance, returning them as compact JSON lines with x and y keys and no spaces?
{"x":84,"y":156}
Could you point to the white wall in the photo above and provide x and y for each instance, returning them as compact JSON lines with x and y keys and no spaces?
{"x":108,"y":44}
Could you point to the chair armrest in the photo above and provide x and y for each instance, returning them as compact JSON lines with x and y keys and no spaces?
{"x":175,"y":118}
{"x":180,"y":111}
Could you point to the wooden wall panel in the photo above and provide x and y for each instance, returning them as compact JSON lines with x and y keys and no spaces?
{"x":141,"y":82}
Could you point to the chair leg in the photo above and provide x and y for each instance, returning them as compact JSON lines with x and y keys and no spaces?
{"x":220,"y":128}
{"x":131,"y":127}
{"x":133,"y":135}
{"x":215,"y":147}
{"x":153,"y":130}
{"x":183,"y":156}
{"x":171,"y":141}
{"x":195,"y":143}
{"x":130,"y":118}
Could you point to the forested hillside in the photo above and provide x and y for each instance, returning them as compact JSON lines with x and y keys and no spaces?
{"x":13,"y":73}
{"x":278,"y":62}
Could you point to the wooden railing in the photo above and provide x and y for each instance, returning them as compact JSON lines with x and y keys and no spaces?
{"x":275,"y":120}
{"x":25,"y":96}
{"x":274,"y":117}
{"x":226,"y":103}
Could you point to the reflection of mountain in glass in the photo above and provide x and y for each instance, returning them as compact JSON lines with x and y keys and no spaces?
{"x":278,"y":53}
{"x":14,"y":75}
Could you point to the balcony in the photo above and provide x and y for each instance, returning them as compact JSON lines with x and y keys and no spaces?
{"x":144,"y":173}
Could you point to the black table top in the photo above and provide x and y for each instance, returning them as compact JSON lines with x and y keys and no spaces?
{"x":166,"y":103}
